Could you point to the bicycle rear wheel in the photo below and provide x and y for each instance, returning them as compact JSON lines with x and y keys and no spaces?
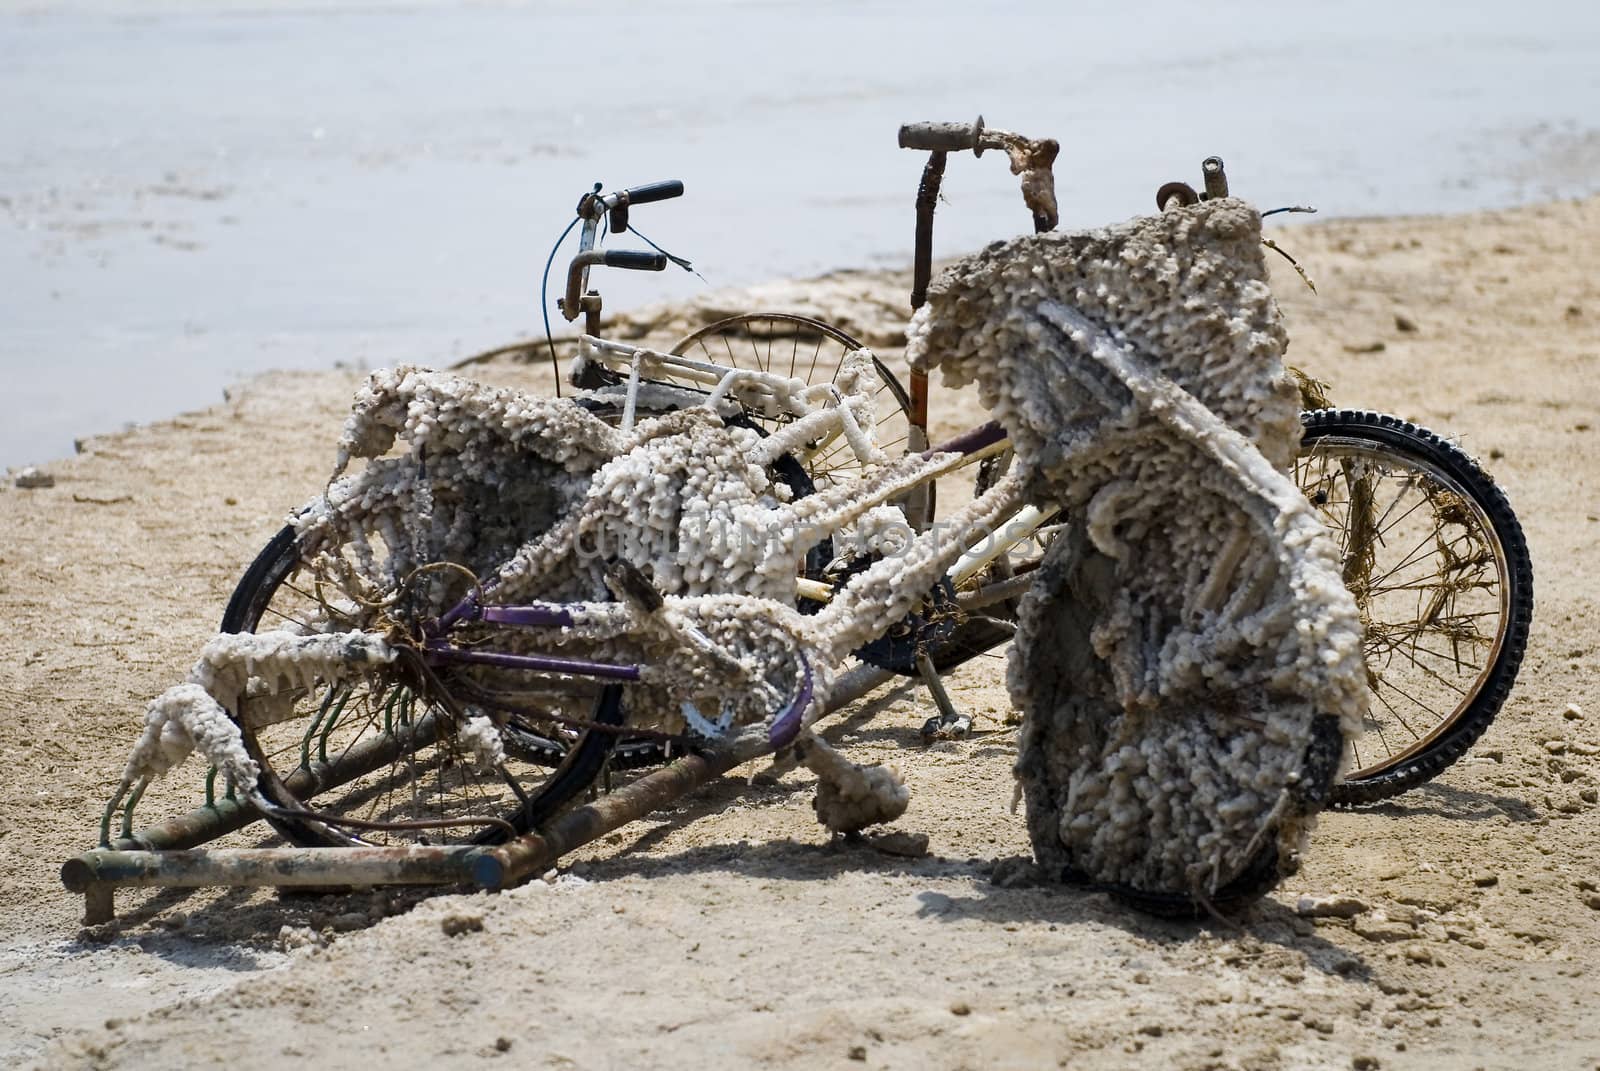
{"x":813,"y":351}
{"x":1440,"y":570}
{"x":406,"y":772}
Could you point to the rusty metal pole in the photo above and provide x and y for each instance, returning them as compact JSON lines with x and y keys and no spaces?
{"x":214,"y":820}
{"x":513,"y":863}
{"x":416,"y":865}
{"x":920,"y":505}
{"x":853,"y":685}
{"x":185,"y":831}
{"x":927,"y":202}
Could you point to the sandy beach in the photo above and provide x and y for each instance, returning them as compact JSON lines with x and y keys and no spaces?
{"x":729,"y":932}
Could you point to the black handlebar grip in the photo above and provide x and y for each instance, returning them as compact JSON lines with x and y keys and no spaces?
{"x":654,"y":191}
{"x":942,"y":137}
{"x":636,"y":259}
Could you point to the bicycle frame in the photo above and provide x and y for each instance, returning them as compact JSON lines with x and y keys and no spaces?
{"x":827,"y":412}
{"x":804,"y":420}
{"x":982,"y":546}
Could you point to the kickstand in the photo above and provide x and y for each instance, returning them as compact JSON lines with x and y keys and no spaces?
{"x":950,"y":723}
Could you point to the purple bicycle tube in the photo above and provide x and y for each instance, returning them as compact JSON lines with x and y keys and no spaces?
{"x":539,"y":663}
{"x":534,"y":614}
{"x":787,"y":725}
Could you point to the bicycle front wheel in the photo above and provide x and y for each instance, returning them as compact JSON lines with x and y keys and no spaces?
{"x":385,"y":761}
{"x":1440,"y":571}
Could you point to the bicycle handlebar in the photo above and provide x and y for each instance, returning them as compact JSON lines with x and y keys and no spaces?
{"x":617,"y":203}
{"x":577,"y":271}
{"x":943,"y":137}
{"x":594,"y":205}
{"x":1031,"y":161}
{"x":635,"y":259}
{"x":653,"y":191}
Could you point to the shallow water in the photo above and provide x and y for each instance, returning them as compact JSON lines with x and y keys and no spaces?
{"x":193,"y":193}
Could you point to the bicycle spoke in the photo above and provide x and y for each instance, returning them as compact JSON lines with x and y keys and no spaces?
{"x":1376,"y":648}
{"x":755,"y":350}
{"x":1435,"y":585}
{"x":292,"y":620}
{"x":815,"y":354}
{"x":1412,"y":556}
{"x":1419,"y":704}
{"x":1380,"y":697}
{"x":1408,"y":484}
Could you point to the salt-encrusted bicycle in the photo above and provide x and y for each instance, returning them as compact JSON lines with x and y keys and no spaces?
{"x":460,"y":629}
{"x":1432,"y":551}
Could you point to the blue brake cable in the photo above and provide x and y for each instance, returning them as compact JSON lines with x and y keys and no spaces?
{"x":544,"y":302}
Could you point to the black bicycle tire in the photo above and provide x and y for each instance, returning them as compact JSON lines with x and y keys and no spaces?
{"x":1410,"y":443}
{"x":575,"y":768}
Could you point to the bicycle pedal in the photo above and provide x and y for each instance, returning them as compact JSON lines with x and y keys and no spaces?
{"x":947,"y":727}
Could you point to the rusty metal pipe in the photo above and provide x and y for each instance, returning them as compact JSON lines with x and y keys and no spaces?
{"x":920,"y":503}
{"x":513,"y":863}
{"x":927,"y":202}
{"x":271,"y":866}
{"x":189,"y":830}
{"x":218,"y":819}
{"x":999,"y":591}
{"x":850,"y":686}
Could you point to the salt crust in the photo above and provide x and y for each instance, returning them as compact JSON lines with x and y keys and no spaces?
{"x":1138,"y":371}
{"x":481,"y":737}
{"x":272,"y":667}
{"x":1101,"y":353}
{"x":851,"y":797}
{"x":529,"y":497}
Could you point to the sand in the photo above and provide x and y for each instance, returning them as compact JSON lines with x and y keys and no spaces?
{"x":730,"y":932}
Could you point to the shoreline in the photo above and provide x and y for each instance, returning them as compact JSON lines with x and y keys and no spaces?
{"x":287,"y":194}
{"x":839,"y":296}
